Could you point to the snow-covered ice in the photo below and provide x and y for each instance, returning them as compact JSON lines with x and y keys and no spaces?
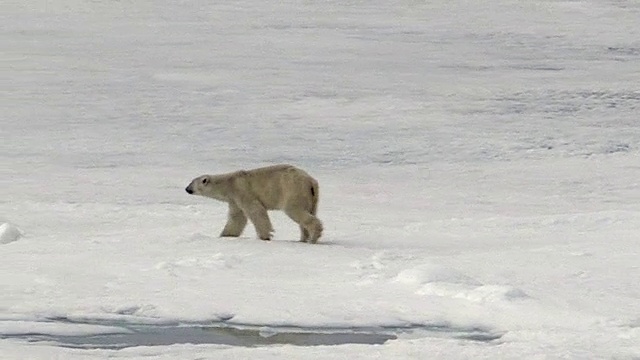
{"x":478,"y":165}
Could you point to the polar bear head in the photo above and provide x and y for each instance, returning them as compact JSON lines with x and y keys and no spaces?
{"x":206,"y":185}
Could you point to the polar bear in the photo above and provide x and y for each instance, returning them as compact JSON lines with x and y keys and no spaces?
{"x":250,"y":193}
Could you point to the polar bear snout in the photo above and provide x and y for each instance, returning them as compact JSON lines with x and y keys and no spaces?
{"x":189,"y":189}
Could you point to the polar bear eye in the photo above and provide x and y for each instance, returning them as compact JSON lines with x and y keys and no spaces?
{"x":204,"y":181}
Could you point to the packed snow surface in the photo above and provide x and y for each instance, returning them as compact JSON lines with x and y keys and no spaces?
{"x":479,"y":167}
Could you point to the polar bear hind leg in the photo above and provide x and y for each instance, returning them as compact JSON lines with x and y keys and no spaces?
{"x":304,"y":234}
{"x":310,"y":226}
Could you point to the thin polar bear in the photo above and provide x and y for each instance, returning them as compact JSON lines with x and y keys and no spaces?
{"x":251,"y":193}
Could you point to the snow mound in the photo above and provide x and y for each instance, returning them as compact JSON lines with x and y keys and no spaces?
{"x":432,"y":280}
{"x":9,"y":233}
{"x":424,"y":274}
{"x":497,"y":292}
{"x":479,"y":294}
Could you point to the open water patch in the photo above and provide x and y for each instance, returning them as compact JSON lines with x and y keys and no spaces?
{"x":223,"y":333}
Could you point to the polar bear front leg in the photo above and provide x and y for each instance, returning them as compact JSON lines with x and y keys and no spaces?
{"x":260,"y":219}
{"x":236,"y":221}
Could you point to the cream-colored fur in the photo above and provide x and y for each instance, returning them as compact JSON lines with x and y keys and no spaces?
{"x":251,"y":193}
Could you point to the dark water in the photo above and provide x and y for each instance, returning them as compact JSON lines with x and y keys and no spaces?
{"x":249,"y":336}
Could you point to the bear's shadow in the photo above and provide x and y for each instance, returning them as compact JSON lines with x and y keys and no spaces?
{"x":288,"y":241}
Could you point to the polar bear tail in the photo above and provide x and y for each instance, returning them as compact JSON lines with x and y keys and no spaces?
{"x":314,"y":197}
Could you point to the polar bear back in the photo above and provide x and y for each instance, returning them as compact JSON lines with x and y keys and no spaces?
{"x":277,"y":186}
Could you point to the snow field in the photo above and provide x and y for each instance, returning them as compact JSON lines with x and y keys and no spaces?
{"x":478,"y":165}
